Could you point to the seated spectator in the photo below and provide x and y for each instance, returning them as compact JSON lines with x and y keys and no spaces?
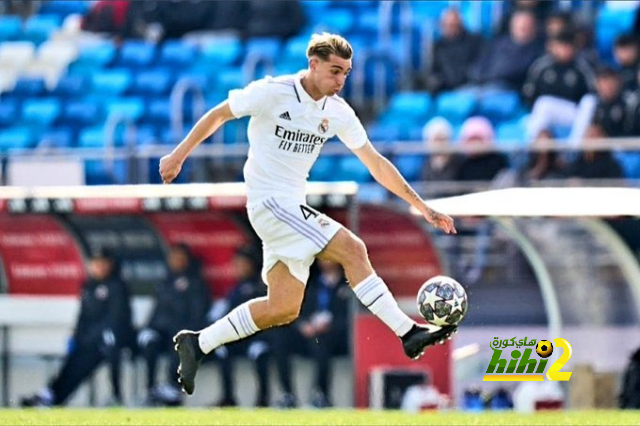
{"x":610,"y":107}
{"x":480,"y":163}
{"x":453,"y":54}
{"x":504,"y":62}
{"x":249,"y":286}
{"x":543,"y":163}
{"x":595,"y":164}
{"x":106,"y":17}
{"x":627,"y":55}
{"x":276,"y":18}
{"x":320,"y":332}
{"x":540,"y":9}
{"x":181,"y":302}
{"x":629,"y":397}
{"x":555,"y":84}
{"x":102,"y":331}
{"x":437,"y":134}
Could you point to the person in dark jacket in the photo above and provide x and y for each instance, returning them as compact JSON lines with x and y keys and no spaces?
{"x":556,"y":84}
{"x":626,"y":52}
{"x":504,"y":62}
{"x":103,"y":329}
{"x":321,"y":332}
{"x":453,"y":54}
{"x":595,"y":164}
{"x":181,"y":301}
{"x":630,"y":393}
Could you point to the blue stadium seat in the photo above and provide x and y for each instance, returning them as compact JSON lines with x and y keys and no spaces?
{"x":512,"y":132}
{"x":63,"y":8}
{"x":428,"y":10}
{"x":414,"y":107}
{"x":10,"y":27}
{"x":323,"y":168}
{"x":41,"y":112}
{"x":136,"y":54}
{"x":8,"y":112}
{"x":92,"y":137}
{"x":96,"y":172}
{"x":29,"y":87}
{"x":177,"y":54}
{"x":112,"y":82}
{"x":223,"y":51}
{"x":630,"y":163}
{"x":339,"y":20}
{"x":71,"y":86}
{"x":132,"y":107}
{"x":410,"y":166}
{"x":383,"y":132}
{"x":267,"y":47}
{"x":39,"y":28}
{"x":228,"y":79}
{"x":455,"y":106}
{"x":157,"y":81}
{"x":57,"y":137}
{"x":295,"y":48}
{"x":95,"y":56}
{"x":19,"y":137}
{"x":352,"y":169}
{"x":500,"y":106}
{"x":610,"y":23}
{"x":81,"y":112}
{"x":158,"y":111}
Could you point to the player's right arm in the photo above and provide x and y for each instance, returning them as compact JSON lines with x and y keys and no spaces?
{"x":171,"y":164}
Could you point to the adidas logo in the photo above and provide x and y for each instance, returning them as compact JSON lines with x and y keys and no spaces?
{"x":285,"y":115}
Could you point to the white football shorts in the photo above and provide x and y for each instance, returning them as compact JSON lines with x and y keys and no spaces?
{"x":291,"y":233}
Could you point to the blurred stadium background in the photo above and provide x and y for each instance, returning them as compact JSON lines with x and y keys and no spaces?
{"x":93,"y":93}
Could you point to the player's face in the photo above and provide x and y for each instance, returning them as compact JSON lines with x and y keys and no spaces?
{"x":330,"y":75}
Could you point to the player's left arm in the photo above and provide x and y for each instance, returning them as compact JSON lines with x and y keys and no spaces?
{"x":388,"y":176}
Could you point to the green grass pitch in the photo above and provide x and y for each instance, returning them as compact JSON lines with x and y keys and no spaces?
{"x":184,"y":416}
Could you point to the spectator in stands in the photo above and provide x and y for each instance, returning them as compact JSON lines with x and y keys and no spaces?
{"x":320,"y":332}
{"x":540,"y":9}
{"x":106,"y":17}
{"x":629,"y":397}
{"x":257,"y":348}
{"x":23,"y":8}
{"x":555,"y":85}
{"x":278,"y":18}
{"x":595,"y":164}
{"x":627,"y":55}
{"x":103,"y":329}
{"x":480,"y":163}
{"x":544,"y":163}
{"x":181,"y":301}
{"x":610,"y":108}
{"x":453,"y":54}
{"x":504,"y":62}
{"x":440,"y":166}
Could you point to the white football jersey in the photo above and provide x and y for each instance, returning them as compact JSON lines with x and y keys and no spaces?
{"x":286,"y":132}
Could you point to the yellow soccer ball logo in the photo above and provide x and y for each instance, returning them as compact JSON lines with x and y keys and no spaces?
{"x":544,"y":348}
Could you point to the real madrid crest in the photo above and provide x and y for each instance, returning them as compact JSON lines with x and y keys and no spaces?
{"x":323,"y":127}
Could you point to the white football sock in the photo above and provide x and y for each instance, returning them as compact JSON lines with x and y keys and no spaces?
{"x":375,"y":295}
{"x":236,"y":325}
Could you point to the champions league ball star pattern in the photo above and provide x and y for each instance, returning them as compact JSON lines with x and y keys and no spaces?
{"x":442,"y":301}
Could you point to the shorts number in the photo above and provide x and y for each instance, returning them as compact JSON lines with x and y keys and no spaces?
{"x":307,"y":212}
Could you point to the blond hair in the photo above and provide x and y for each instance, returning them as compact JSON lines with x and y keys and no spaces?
{"x":326,"y":44}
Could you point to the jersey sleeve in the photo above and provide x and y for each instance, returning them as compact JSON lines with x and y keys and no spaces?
{"x":251,"y":100}
{"x":351,"y":131}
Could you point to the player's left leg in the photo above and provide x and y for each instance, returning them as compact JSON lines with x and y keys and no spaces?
{"x":346,"y":249}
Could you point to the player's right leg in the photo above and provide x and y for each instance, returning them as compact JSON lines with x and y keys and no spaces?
{"x":279,"y":307}
{"x":346,"y":249}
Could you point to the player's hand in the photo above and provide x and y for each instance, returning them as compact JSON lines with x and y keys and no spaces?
{"x":440,"y":220}
{"x":170,"y":166}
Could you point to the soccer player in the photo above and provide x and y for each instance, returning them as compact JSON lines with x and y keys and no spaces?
{"x":291,"y":118}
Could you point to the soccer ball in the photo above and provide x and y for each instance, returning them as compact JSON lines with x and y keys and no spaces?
{"x":544,"y":348}
{"x":442,"y":301}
